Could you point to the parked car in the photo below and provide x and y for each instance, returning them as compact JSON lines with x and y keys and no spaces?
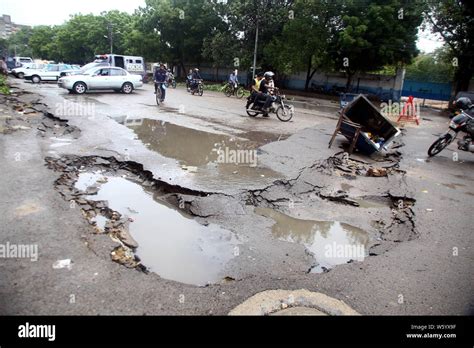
{"x":101,"y":78}
{"x":76,"y":69}
{"x":21,"y":71}
{"x":21,"y":61}
{"x":50,"y":73}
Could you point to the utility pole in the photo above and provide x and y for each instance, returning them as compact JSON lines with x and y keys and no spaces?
{"x":111,"y":37}
{"x":255,"y":52}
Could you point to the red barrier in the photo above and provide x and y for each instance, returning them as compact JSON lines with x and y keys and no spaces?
{"x":409,"y":113}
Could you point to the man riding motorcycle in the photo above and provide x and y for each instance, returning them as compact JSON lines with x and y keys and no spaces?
{"x":255,"y":89}
{"x":160,"y":78}
{"x":195,"y":76}
{"x":266,"y":88}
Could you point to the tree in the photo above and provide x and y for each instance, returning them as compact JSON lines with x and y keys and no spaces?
{"x":246,"y":16}
{"x":42,"y":42}
{"x":18,"y":42}
{"x":433,"y":67}
{"x":181,"y":26}
{"x":222,"y":49}
{"x":293,"y":52}
{"x":454,"y":21}
{"x":376,"y":33}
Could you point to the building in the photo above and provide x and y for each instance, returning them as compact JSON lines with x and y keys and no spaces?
{"x":7,"y":27}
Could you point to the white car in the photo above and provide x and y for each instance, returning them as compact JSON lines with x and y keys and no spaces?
{"x":101,"y":78}
{"x":50,"y":73}
{"x":20,"y":72}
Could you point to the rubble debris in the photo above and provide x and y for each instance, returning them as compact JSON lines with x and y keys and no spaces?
{"x":59,"y":264}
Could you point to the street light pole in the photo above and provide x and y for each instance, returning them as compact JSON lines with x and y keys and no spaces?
{"x":255,"y":52}
{"x":111,"y":37}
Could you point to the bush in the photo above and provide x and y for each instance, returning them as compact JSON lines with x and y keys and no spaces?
{"x":4,"y":88}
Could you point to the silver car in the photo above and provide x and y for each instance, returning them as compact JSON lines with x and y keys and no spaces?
{"x":101,"y":78}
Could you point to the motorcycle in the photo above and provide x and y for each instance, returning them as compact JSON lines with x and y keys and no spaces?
{"x":198,"y":87}
{"x":463,"y":122}
{"x":170,"y":81}
{"x":283,"y":111}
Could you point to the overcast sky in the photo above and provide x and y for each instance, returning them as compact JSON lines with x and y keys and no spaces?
{"x":51,"y":12}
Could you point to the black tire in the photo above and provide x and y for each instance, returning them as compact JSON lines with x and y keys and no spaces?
{"x":35,"y":79}
{"x":127,"y":88}
{"x":286,"y":114}
{"x":79,"y":88}
{"x":200,"y":90}
{"x":173,"y":84}
{"x":158,"y":97}
{"x":240,"y":93}
{"x":252,"y":113}
{"x":440,"y":144}
{"x":20,"y":75}
{"x":228,"y":91}
{"x":71,"y":91}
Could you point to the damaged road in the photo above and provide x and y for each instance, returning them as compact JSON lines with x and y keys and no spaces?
{"x":104,"y":195}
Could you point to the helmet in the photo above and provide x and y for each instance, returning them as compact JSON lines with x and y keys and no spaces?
{"x":463,"y":103}
{"x":196,"y":69}
{"x":269,"y":74}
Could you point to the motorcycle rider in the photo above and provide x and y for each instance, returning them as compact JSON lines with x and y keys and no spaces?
{"x":160,"y":78}
{"x":266,"y":89}
{"x":255,"y":89}
{"x":195,"y":76}
{"x":189,"y":78}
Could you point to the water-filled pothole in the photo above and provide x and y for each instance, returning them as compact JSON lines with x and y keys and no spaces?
{"x":170,"y":243}
{"x":210,"y":154}
{"x":330,"y":242}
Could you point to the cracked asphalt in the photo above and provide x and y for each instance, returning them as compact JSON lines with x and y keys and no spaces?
{"x":420,"y":255}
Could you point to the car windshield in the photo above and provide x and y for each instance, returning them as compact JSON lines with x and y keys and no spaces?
{"x":90,"y":71}
{"x":89,"y":66}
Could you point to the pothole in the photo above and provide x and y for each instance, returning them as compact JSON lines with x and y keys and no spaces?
{"x":330,"y":242}
{"x":169,"y":242}
{"x":150,"y":219}
{"x":207,"y":153}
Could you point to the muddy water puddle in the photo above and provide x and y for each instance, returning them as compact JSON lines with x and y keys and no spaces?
{"x":206,"y":153}
{"x":170,"y":243}
{"x":330,"y":242}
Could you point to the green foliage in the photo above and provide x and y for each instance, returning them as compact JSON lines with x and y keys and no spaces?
{"x":294,"y":35}
{"x":292,"y":51}
{"x":19,"y":41}
{"x":432,"y":67}
{"x":377,"y":33}
{"x":4,"y":88}
{"x":453,"y":21}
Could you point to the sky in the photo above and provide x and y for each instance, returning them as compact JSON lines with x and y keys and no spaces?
{"x":52,"y":12}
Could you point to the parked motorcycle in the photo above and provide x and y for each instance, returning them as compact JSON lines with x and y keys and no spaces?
{"x":283,"y":111}
{"x":462,"y":123}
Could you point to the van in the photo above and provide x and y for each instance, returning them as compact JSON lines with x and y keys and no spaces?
{"x":23,"y":61}
{"x":133,"y":64}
